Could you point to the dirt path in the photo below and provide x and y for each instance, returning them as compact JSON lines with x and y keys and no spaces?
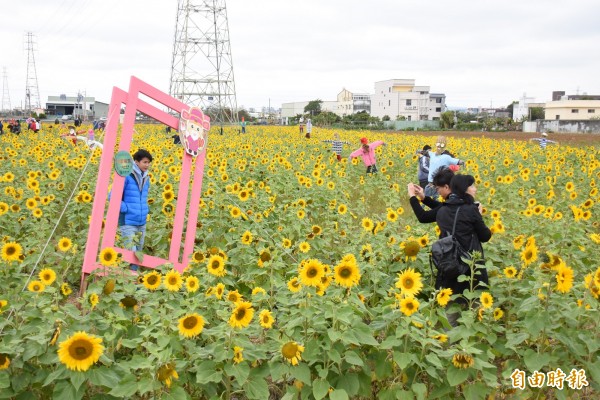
{"x":573,"y":139}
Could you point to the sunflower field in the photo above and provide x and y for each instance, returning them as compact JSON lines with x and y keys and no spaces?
{"x":309,"y":279}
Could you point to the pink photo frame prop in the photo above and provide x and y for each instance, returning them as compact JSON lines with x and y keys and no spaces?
{"x":133,"y":103}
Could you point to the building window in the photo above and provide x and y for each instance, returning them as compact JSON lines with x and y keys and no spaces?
{"x":389,"y":102}
{"x":438,"y":100}
{"x":390,"y":89}
{"x":557,"y":117}
{"x":438,"y":109}
{"x":574,"y":111}
{"x":591,"y":111}
{"x":409,"y":117}
{"x":409,"y":102}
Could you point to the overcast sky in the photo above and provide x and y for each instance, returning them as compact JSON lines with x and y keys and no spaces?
{"x":476,"y":52}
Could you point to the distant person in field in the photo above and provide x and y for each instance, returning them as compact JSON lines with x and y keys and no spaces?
{"x":544,"y":141}
{"x":367,"y":153}
{"x":440,"y":158}
{"x":336,"y":145}
{"x":423,"y":170}
{"x":134,"y":204}
{"x":308,"y":128}
{"x":243,"y":125}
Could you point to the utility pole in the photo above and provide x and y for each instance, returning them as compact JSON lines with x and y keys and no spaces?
{"x":202,"y":64}
{"x":32,"y":91}
{"x":5,"y":92}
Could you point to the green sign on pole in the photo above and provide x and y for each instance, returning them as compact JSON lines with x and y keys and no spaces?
{"x":123,"y":163}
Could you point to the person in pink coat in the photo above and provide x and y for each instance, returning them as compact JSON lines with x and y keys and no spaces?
{"x":367,"y":152}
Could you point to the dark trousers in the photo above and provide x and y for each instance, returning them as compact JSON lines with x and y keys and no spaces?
{"x":371,"y":169}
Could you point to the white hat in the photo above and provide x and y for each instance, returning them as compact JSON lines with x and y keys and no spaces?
{"x":544,"y":134}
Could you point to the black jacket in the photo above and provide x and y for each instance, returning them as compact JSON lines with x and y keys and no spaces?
{"x":425,"y":216}
{"x":470,"y":232}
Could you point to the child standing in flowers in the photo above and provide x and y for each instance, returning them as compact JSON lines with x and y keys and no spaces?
{"x":423,"y":171}
{"x":336,"y":145}
{"x":544,"y":141}
{"x":440,"y":158}
{"x":134,"y":205}
{"x":367,"y":153}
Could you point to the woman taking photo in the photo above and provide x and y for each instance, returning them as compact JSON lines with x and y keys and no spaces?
{"x":470,"y":232}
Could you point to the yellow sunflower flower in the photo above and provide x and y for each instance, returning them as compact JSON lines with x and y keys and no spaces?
{"x":304,"y":247}
{"x":294,"y":285}
{"x":462,"y":360}
{"x":311,"y":272}
{"x":247,"y":238}
{"x":292,"y":352}
{"x":47,"y":276}
{"x":409,"y":282}
{"x":36,"y":287}
{"x":233,"y":296}
{"x":409,"y":305}
{"x":173,"y":281}
{"x":192,"y":284}
{"x":241,"y":315}
{"x":443,"y":297}
{"x":108,"y":257}
{"x":191,"y":325}
{"x":64,"y":244}
{"x":510,"y":272}
{"x":4,"y":361}
{"x":347,"y":273}
{"x":238,"y":355}
{"x":266,"y":319}
{"x":152,"y":280}
{"x":216,"y":266}
{"x":80,"y":351}
{"x":486,"y":300}
{"x":11,"y":251}
{"x":564,"y":279}
{"x":166,"y":374}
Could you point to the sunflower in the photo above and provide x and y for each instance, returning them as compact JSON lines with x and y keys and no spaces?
{"x":109,"y":286}
{"x":247,"y":238}
{"x":266,"y":319}
{"x":424,"y":240}
{"x":80,"y":351}
{"x":11,"y":251}
{"x":292,"y":352}
{"x":47,"y":276}
{"x":304,"y":247}
{"x":311,"y":272}
{"x":191,"y":325}
{"x":409,"y":305}
{"x":173,"y":281}
{"x":462,"y":360}
{"x":411,"y":248}
{"x":241,"y":315}
{"x":191,"y":284}
{"x":510,"y":272}
{"x":392,"y":215}
{"x":486,"y":300}
{"x":128,"y":302}
{"x":342,"y":209}
{"x":238,"y":355}
{"x":4,"y":361}
{"x":564,"y":279}
{"x":216,"y":266}
{"x":300,"y":214}
{"x":234,"y":296}
{"x":244,"y":195}
{"x":409,"y":282}
{"x":219,"y":290}
{"x":166,"y":373}
{"x":235,"y":212}
{"x":197,"y":257}
{"x":65,"y":289}
{"x":498,"y":314}
{"x":36,"y":287}
{"x":367,"y":224}
{"x":294,"y":285}
{"x":518,"y":242}
{"x":168,"y":196}
{"x":317,"y":230}
{"x":64,"y":244}
{"x":93,"y":299}
{"x":108,"y":257}
{"x":529,"y":254}
{"x":443,"y":297}
{"x":152,"y":280}
{"x":287,"y":243}
{"x":347,"y":273}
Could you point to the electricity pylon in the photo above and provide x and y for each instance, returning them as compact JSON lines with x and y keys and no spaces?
{"x":5,"y":92}
{"x":32,"y":91}
{"x":202,"y":65}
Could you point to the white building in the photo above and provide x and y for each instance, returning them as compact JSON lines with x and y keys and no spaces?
{"x":401,"y":98}
{"x":521,"y":108}
{"x":289,"y":110}
{"x":350,"y":103}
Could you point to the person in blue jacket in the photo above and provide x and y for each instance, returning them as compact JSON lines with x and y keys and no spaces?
{"x":134,"y":205}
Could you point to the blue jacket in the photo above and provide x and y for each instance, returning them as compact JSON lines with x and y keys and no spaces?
{"x":134,"y":206}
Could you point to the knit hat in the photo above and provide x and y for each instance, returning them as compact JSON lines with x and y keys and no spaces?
{"x":364,"y":140}
{"x":459,"y":185}
{"x":426,"y":147}
{"x":544,"y":134}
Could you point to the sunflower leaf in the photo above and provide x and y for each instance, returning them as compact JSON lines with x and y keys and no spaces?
{"x":301,"y":372}
{"x":338,"y":394}
{"x":257,"y":389}
{"x":320,"y":388}
{"x":126,"y":387}
{"x":456,"y":376}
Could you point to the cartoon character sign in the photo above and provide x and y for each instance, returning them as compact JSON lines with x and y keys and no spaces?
{"x":193,"y":130}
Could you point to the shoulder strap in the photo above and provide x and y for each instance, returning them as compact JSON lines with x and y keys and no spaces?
{"x":455,"y":218}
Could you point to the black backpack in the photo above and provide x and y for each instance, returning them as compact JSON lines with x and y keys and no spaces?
{"x":447,"y":254}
